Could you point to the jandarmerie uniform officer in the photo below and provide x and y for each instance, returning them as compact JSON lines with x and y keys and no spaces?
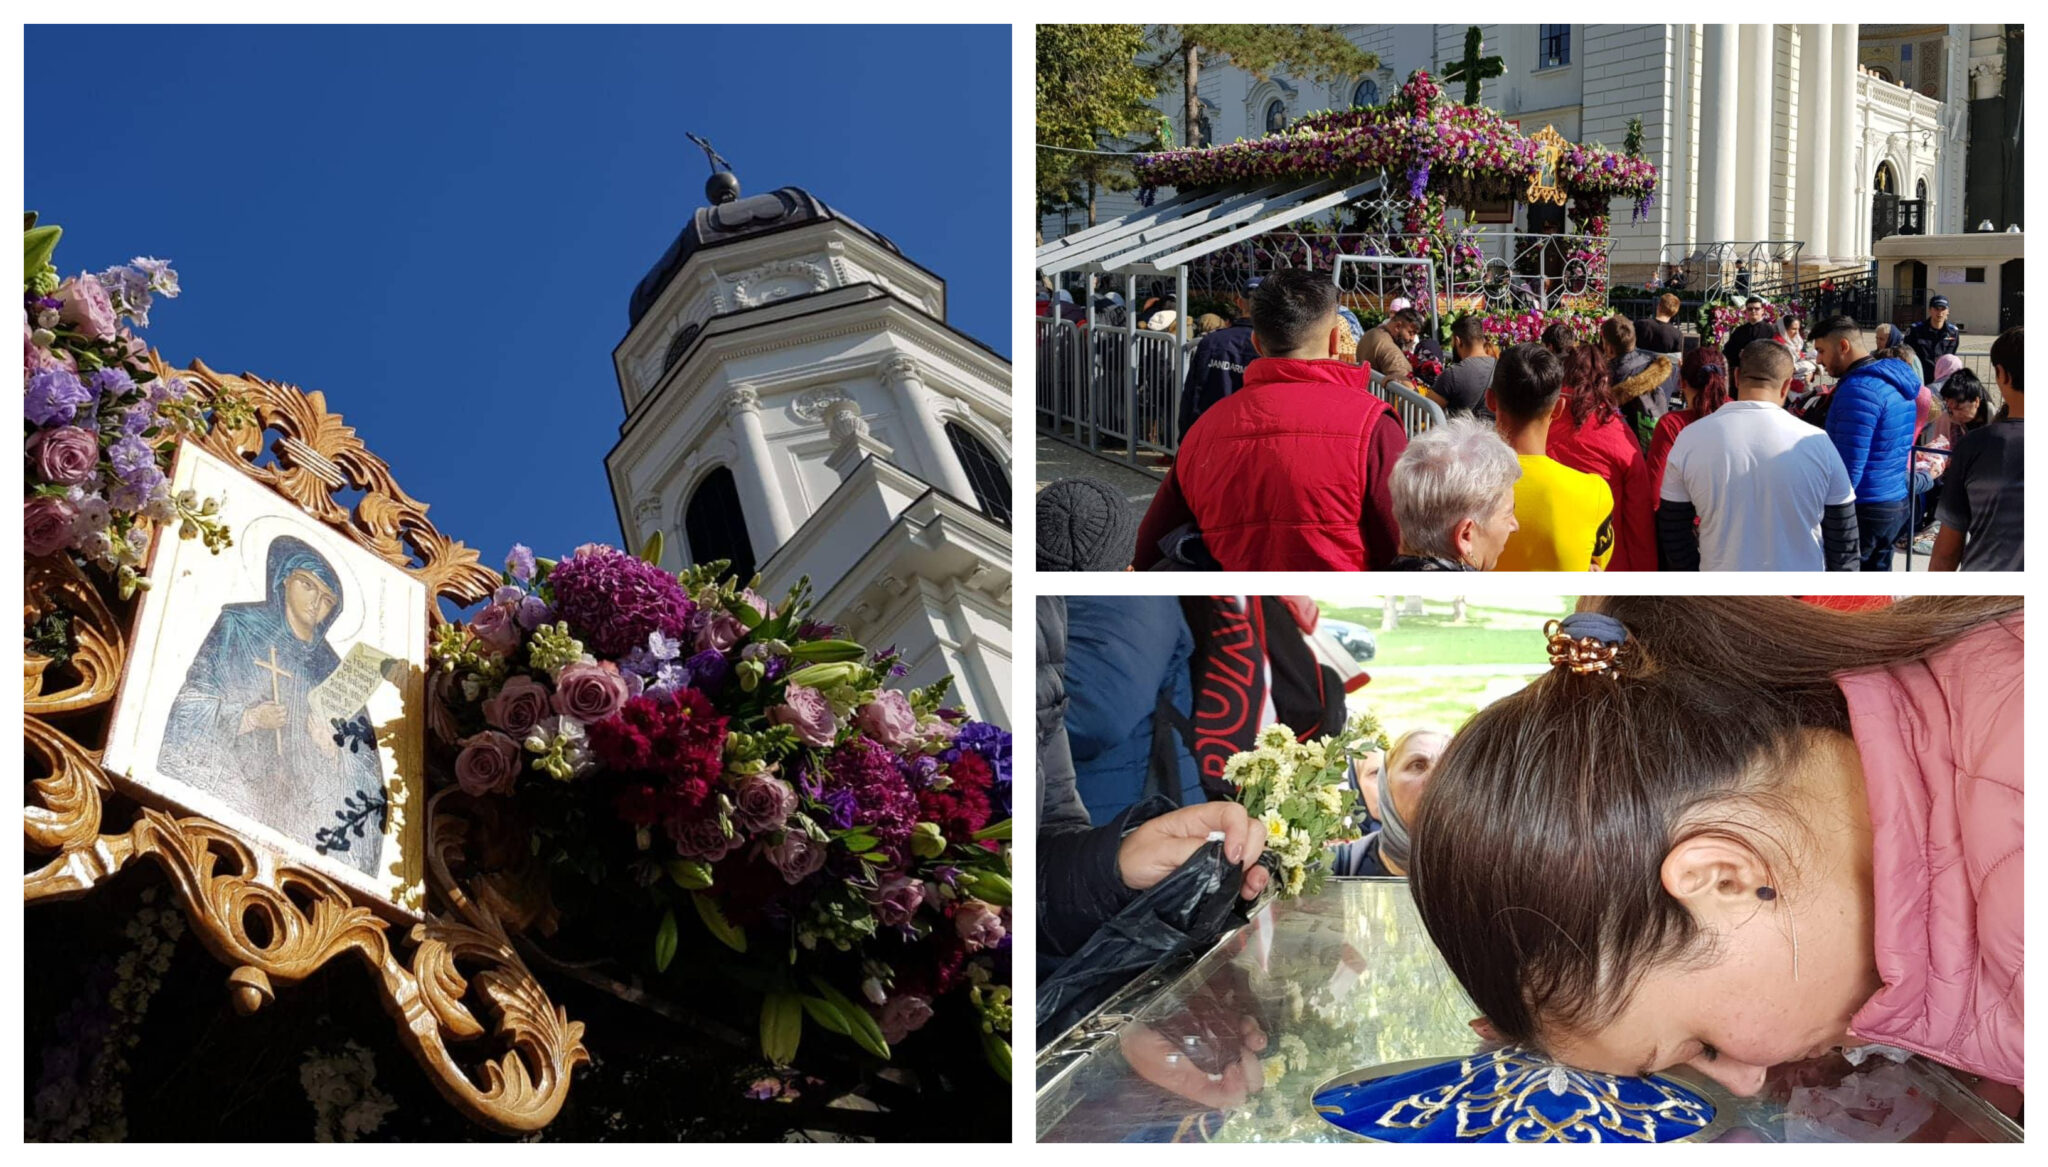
{"x":1934,"y":337}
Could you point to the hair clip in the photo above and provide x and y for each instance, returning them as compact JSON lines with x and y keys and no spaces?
{"x":1586,"y":642}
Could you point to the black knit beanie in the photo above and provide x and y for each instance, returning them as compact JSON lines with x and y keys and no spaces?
{"x":1084,"y":525}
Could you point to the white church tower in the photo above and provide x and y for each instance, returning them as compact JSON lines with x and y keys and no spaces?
{"x":796,"y":403}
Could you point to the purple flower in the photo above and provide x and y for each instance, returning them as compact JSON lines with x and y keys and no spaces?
{"x":66,"y":455}
{"x":702,"y":838}
{"x":534,"y":612}
{"x":47,"y":525}
{"x":138,"y":419}
{"x":131,"y":456}
{"x":888,"y":719}
{"x":721,"y":631}
{"x":518,"y":706}
{"x":904,"y":1015}
{"x":796,"y":855}
{"x":708,"y":670}
{"x":979,"y":925}
{"x":520,"y":563}
{"x":87,"y":307}
{"x":110,"y":385}
{"x":613,"y":600}
{"x":806,"y":711}
{"x":763,"y":803}
{"x":508,"y":595}
{"x":589,"y":691}
{"x":488,"y":764}
{"x":135,"y":493}
{"x":54,"y":395}
{"x":897,"y":900}
{"x":498,"y":627}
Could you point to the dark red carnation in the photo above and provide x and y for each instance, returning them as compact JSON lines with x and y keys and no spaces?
{"x":959,"y":811}
{"x":673,"y":746}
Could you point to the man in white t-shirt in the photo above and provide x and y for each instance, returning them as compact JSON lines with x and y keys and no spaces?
{"x":1770,"y":491}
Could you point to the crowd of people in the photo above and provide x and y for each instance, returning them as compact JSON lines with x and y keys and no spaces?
{"x":1718,"y":833}
{"x":1781,"y":449}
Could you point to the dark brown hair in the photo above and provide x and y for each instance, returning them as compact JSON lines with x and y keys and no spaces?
{"x":2005,"y":354}
{"x":1619,"y":334}
{"x":1539,"y":842}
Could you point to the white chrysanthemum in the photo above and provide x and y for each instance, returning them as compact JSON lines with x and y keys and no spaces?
{"x":1275,"y":737}
{"x":1296,"y":876}
{"x":1276,"y":827}
{"x":1235,"y":770}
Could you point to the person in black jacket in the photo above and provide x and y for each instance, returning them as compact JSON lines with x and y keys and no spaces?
{"x":1933,"y":338}
{"x":1658,"y":334}
{"x":1753,"y":327}
{"x":1216,"y":367}
{"x":1087,"y":873}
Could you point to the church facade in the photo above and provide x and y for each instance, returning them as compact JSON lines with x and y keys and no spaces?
{"x":796,"y":403}
{"x":1761,"y":132}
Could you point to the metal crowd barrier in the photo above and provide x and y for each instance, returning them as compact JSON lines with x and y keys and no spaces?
{"x":1417,"y":413}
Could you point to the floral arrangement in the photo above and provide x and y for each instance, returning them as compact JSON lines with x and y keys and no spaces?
{"x":1426,"y":370}
{"x":100,"y":424}
{"x":687,"y":750}
{"x":1512,"y":328}
{"x":1303,"y":794}
{"x":1721,"y":317}
{"x":1462,"y":154}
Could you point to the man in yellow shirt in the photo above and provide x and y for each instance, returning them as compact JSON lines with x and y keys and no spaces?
{"x":1565,"y":517}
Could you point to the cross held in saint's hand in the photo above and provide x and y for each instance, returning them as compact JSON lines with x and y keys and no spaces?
{"x":276,"y":698}
{"x":1474,"y":68}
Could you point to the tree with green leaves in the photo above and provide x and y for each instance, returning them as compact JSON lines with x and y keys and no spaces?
{"x":1316,"y":52}
{"x":1093,"y":94}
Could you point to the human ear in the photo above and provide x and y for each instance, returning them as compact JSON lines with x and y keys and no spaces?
{"x":1713,"y":874}
{"x":1335,"y":348}
{"x":1256,"y":346}
{"x":1464,"y":537}
{"x":1558,"y":407}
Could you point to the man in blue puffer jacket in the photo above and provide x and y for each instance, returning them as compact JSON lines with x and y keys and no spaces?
{"x":1870,"y":420}
{"x":1130,"y":694}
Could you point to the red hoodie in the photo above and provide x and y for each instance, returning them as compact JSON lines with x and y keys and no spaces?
{"x":1288,"y":473}
{"x":1609,"y":449}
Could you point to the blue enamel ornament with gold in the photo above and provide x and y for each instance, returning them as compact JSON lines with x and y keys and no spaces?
{"x":1514,"y":1095}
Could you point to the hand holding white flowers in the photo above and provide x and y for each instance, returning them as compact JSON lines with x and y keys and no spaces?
{"x":1302,"y":793}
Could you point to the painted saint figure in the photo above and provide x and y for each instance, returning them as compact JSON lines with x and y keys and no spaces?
{"x":243,"y":730}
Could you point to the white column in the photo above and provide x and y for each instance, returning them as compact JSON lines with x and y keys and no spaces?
{"x":1843,"y":213}
{"x":1759,"y":89}
{"x":760,"y":494}
{"x":1816,"y":135}
{"x":927,"y":431}
{"x":1717,"y":135}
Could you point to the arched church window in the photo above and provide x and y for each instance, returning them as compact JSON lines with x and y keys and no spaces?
{"x":680,"y":345}
{"x":716,"y":527}
{"x":1920,"y":189}
{"x":1887,"y":182}
{"x":984,"y":473}
{"x":1367,"y":93}
{"x":1276,"y":116}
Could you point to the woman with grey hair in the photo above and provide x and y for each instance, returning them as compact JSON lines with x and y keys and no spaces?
{"x":1454,"y":498}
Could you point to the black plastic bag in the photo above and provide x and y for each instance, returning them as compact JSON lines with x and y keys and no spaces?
{"x":1183,"y":913}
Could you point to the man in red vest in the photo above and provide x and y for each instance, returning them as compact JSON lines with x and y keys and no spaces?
{"x":1290,"y":472}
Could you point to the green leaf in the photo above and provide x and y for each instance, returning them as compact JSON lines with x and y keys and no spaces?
{"x":650,"y":551}
{"x":825,"y":651}
{"x":715,"y":920}
{"x":859,"y":843}
{"x":999,"y":830}
{"x":998,"y":1053}
{"x":665,"y":942}
{"x":782,"y":1027}
{"x":748,"y":616}
{"x":826,"y":1014}
{"x":993,"y":886}
{"x":37,"y":244}
{"x":866,"y":1034}
{"x":690,"y":874}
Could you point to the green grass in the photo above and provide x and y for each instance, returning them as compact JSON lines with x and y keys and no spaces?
{"x":1405,"y":703}
{"x":1491,"y":634}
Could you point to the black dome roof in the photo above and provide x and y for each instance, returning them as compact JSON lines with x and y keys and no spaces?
{"x":762,"y":214}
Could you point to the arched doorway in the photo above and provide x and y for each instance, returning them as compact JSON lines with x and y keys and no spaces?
{"x":716,"y":528}
{"x":1884,"y":203}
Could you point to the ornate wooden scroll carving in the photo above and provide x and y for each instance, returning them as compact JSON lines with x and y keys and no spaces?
{"x":269,"y":919}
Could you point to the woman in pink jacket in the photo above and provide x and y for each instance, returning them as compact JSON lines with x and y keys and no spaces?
{"x":1734,"y":832}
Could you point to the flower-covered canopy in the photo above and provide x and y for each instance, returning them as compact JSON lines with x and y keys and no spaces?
{"x":1462,"y":154}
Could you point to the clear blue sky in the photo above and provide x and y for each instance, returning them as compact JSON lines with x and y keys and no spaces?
{"x":440,"y":226}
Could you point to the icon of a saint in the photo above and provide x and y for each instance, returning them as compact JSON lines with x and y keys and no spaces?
{"x":243,"y":729}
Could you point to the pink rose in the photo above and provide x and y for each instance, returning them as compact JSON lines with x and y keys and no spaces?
{"x":517,"y":707}
{"x":66,"y":455}
{"x":896,"y":901}
{"x":797,"y":856}
{"x":904,"y":1015}
{"x":764,"y":803}
{"x":979,"y":924}
{"x":805,"y":710}
{"x":721,"y":632}
{"x":702,"y":839}
{"x":488,"y":764}
{"x":888,"y":719}
{"x":87,"y":308}
{"x":590,"y":692}
{"x":498,"y":627}
{"x":48,"y":526}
